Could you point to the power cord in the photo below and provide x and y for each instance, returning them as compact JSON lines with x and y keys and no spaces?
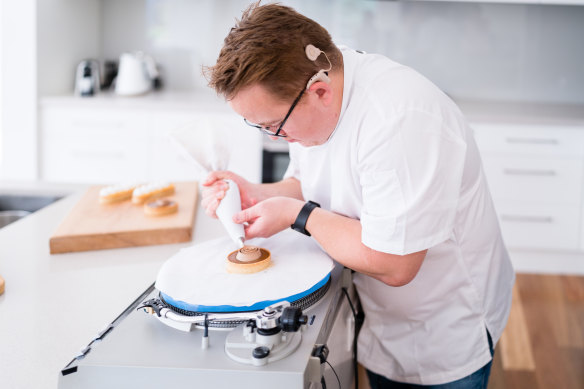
{"x":333,"y":369}
{"x":322,"y":351}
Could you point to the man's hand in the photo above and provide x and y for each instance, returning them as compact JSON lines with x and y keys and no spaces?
{"x":215,"y":188}
{"x":269,"y":217}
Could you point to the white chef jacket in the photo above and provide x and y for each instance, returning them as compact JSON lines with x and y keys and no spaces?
{"x":403,"y":160}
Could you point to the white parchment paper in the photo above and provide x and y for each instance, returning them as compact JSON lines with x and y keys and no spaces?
{"x":197,"y":275}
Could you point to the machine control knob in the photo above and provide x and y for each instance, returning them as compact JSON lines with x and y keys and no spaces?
{"x":260,"y":352}
{"x":292,"y":318}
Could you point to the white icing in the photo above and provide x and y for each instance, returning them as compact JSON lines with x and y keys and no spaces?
{"x":147,"y":188}
{"x":109,"y":190}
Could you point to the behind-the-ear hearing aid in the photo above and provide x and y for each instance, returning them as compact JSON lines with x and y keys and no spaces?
{"x":312,"y":53}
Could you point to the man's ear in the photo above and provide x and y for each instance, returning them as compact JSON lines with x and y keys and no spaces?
{"x":324,"y":92}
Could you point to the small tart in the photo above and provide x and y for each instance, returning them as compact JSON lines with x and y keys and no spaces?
{"x":160,"y":207}
{"x":248,"y":260}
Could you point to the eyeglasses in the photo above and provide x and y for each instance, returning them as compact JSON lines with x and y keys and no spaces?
{"x":266,"y":129}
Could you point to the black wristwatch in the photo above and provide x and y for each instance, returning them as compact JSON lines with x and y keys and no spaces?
{"x":300,"y":223}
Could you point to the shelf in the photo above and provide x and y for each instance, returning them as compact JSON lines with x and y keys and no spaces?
{"x":188,"y":101}
{"x":522,"y":113}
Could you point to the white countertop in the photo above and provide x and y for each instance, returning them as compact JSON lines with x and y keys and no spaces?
{"x":38,"y":188}
{"x":204,"y":100}
{"x":561,"y":115}
{"x":207,"y":100}
{"x":55,"y":304}
{"x":522,"y":113}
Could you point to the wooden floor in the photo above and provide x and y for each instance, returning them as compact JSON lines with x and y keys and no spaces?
{"x":543,"y":344}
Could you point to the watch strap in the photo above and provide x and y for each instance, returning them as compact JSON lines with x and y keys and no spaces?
{"x":302,"y":218}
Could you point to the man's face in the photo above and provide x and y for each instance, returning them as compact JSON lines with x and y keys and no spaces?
{"x":258,"y":106}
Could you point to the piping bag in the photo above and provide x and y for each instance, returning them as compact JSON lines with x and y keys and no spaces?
{"x":207,"y":153}
{"x":228,"y":207}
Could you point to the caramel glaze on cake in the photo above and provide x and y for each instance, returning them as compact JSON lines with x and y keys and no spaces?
{"x":248,"y":259}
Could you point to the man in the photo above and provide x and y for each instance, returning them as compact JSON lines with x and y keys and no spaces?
{"x":403,"y":199}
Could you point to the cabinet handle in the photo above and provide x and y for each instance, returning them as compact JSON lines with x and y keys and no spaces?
{"x":527,"y":219}
{"x":529,"y":172}
{"x":533,"y":141}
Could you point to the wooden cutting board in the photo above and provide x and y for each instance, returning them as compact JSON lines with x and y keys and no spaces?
{"x":94,"y":226}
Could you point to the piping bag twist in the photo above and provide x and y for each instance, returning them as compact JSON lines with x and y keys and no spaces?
{"x":208,"y":155}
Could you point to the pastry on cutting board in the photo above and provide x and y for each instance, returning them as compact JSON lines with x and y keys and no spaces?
{"x":116,"y":193}
{"x":248,"y":260}
{"x":151,"y":191}
{"x":160,"y":207}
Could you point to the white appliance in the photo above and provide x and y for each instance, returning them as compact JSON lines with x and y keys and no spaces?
{"x":136,"y":74}
{"x":208,"y":350}
{"x":87,"y":79}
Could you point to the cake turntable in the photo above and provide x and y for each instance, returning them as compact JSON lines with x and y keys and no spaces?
{"x":267,"y":335}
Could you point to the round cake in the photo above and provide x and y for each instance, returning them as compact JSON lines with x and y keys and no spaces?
{"x":248,"y":259}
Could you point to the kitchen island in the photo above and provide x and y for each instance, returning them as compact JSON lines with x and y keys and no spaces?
{"x":54,"y":305}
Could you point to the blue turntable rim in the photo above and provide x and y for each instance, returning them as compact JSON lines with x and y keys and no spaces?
{"x":232,"y":308}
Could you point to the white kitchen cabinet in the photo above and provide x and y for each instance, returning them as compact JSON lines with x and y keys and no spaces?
{"x":543,"y":226}
{"x":532,"y":180}
{"x":536,"y":177}
{"x":85,"y":146}
{"x":530,"y":139}
{"x":109,"y":140}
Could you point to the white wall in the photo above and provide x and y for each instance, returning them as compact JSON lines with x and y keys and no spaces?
{"x":510,"y":52}
{"x":41,"y":41}
{"x":1,"y":107}
{"x":18,"y":90}
{"x":480,"y":51}
{"x":68,"y":32}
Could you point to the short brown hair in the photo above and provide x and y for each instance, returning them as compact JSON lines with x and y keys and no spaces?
{"x":267,"y":47}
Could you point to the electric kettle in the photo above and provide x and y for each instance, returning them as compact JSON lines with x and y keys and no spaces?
{"x":136,"y":74}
